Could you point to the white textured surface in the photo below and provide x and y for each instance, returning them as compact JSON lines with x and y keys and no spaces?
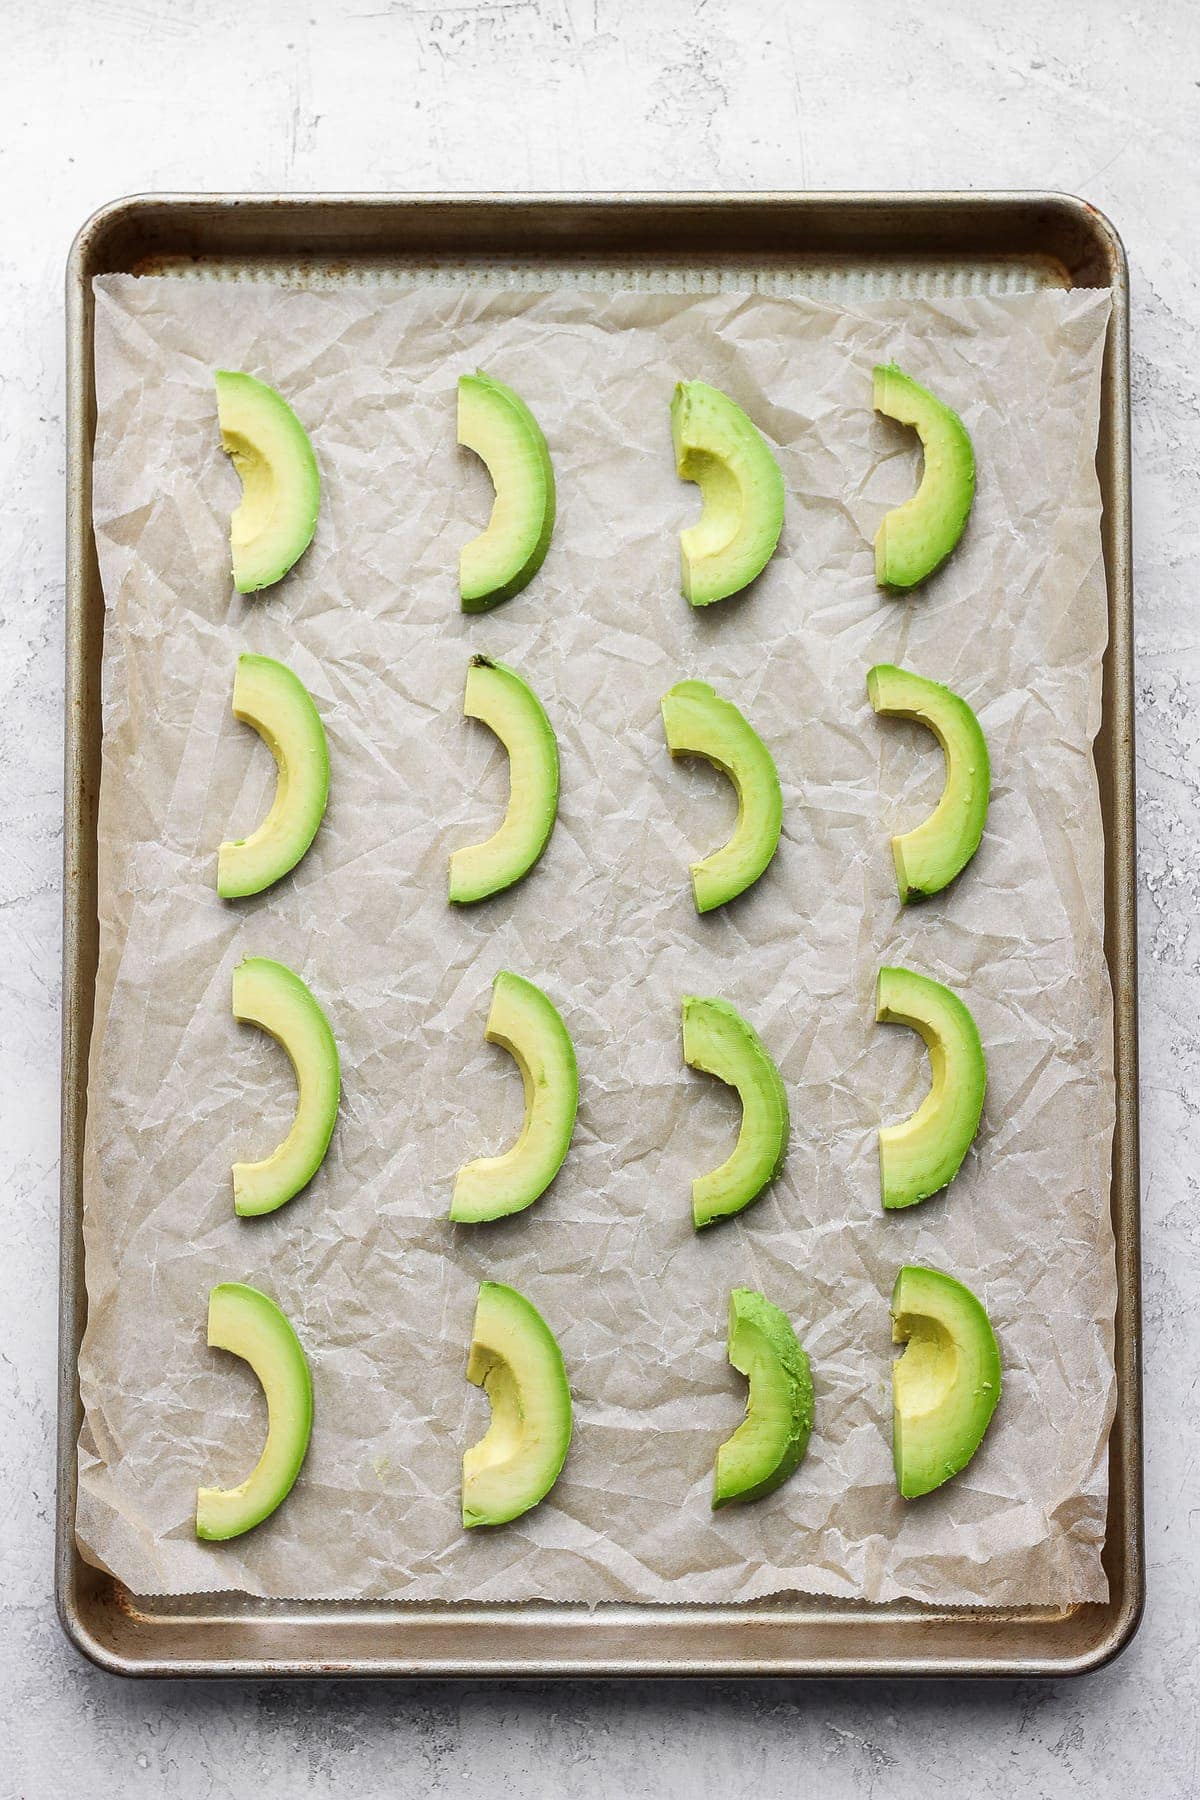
{"x":106,"y":96}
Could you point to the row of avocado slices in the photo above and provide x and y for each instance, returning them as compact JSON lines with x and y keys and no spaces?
{"x":945,"y":1387}
{"x":697,"y":722}
{"x":717,"y":446}
{"x":917,"y":1158}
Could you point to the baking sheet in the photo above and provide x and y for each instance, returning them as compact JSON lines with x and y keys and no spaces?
{"x":380,"y":1285}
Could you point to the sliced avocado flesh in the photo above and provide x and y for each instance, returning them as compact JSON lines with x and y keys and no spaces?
{"x":929,"y":857}
{"x":498,"y":426}
{"x":922,"y":1155}
{"x":496,"y":695}
{"x":719,"y":1041}
{"x":770,"y":1442}
{"x":515,"y":1359}
{"x":268,"y":995}
{"x":525,"y":1023}
{"x":269,"y":697}
{"x":281,"y":490}
{"x":247,"y":1324}
{"x":698,"y":722}
{"x":916,"y":538}
{"x":720,"y":449}
{"x":945,"y":1385}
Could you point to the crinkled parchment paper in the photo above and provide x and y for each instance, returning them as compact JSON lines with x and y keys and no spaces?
{"x":379,"y":1284}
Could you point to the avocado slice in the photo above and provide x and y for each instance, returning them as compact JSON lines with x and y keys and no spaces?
{"x":525,"y":1023}
{"x":247,"y":1324}
{"x":720,"y":449}
{"x":945,"y":1385}
{"x":770,"y":1442}
{"x":497,"y":695}
{"x":498,"y":426}
{"x":719,"y":1041}
{"x":929,"y":857}
{"x":515,"y":1359}
{"x":276,"y":703}
{"x":698,"y":722}
{"x":922,"y":1155}
{"x":281,"y":490}
{"x":268,"y":995}
{"x":916,"y":538}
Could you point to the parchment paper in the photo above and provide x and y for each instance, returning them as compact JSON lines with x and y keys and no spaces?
{"x":380,"y":1286}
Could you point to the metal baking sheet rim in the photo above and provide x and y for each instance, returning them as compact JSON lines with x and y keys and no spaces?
{"x":236,"y":1635}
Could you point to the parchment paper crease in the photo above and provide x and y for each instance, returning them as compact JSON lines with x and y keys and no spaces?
{"x":380,"y":1286}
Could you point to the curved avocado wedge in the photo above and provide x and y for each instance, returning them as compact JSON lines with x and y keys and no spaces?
{"x":929,"y":857}
{"x":770,"y":1442}
{"x":515,"y":1359}
{"x":946,"y":1384}
{"x":916,"y":538}
{"x":720,"y":449}
{"x":698,"y":722}
{"x":247,"y":1324}
{"x":281,"y":490}
{"x":719,"y":1041}
{"x":496,"y":695}
{"x":268,"y":995}
{"x":523,"y":1021}
{"x":498,"y":426}
{"x":922,"y":1155}
{"x":276,"y":703}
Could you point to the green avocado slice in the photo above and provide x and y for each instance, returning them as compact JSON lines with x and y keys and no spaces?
{"x":247,"y":1324}
{"x":916,"y":538}
{"x":276,"y":703}
{"x":929,"y":857}
{"x":698,"y":722}
{"x":946,"y":1384}
{"x":497,"y":696}
{"x":923,"y":1154}
{"x":770,"y":1442}
{"x":273,"y":525}
{"x":717,"y":1040}
{"x":498,"y":426}
{"x":718,"y":447}
{"x":516,"y":1360}
{"x":525,"y":1023}
{"x":269,"y":995}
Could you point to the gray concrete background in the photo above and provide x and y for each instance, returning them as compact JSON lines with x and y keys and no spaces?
{"x":103,"y":97}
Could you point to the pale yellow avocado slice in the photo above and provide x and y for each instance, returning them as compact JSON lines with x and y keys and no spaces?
{"x":916,"y":538}
{"x":247,"y":1324}
{"x":525,"y":1023}
{"x":698,"y":722}
{"x":930,"y":856}
{"x":271,"y":996}
{"x":718,"y":1040}
{"x":723,"y":451}
{"x":515,"y":1359}
{"x":281,"y":490}
{"x":276,"y":703}
{"x":498,"y":426}
{"x":946,"y":1385}
{"x":923,"y":1153}
{"x":497,"y":696}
